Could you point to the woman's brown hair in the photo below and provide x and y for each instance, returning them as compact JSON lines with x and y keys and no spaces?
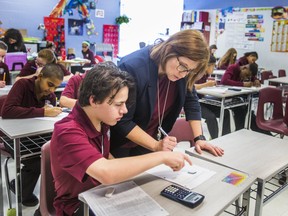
{"x":48,"y":55}
{"x":229,"y":57}
{"x":188,"y":43}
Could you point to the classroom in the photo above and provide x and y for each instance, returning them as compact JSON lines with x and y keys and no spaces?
{"x":196,"y":125}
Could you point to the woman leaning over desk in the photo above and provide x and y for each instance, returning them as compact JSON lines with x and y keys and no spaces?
{"x":30,"y":98}
{"x":164,"y":75}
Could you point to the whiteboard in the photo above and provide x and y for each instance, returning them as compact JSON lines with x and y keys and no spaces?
{"x":267,"y":59}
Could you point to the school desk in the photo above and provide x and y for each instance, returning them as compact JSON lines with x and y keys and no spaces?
{"x":280,"y":80}
{"x":254,"y":153}
{"x":219,"y":195}
{"x":5,"y":90}
{"x":15,"y":129}
{"x":227,"y":97}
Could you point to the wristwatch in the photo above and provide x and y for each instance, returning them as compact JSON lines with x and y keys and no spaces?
{"x":200,"y":137}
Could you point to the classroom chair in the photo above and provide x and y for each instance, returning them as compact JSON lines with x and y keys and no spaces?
{"x":182,"y":130}
{"x":47,"y":188}
{"x":281,"y":73}
{"x":265,"y":75}
{"x":276,"y":123}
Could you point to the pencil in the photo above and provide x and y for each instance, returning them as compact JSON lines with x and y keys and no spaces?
{"x":4,"y":76}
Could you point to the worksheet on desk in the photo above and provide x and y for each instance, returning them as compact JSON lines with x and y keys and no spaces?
{"x":128,"y":199}
{"x":189,"y":176}
{"x":55,"y":119}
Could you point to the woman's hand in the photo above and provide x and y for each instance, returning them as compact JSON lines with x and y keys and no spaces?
{"x":204,"y":145}
{"x":167,"y":144}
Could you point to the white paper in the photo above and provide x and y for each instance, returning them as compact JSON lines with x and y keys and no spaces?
{"x":128,"y":199}
{"x":55,"y":119}
{"x":189,"y":176}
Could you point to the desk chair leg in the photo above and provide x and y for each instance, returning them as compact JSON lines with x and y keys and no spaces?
{"x":7,"y":182}
{"x":283,"y":178}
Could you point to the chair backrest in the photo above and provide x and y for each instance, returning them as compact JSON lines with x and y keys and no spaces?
{"x":269,"y":95}
{"x":182,"y":131}
{"x":47,"y":188}
{"x":285,"y":120}
{"x":281,"y":73}
{"x":265,"y":75}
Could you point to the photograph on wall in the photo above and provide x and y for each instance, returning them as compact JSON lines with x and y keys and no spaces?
{"x":75,"y":27}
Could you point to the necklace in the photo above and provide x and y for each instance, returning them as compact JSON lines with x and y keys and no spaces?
{"x":160,"y":118}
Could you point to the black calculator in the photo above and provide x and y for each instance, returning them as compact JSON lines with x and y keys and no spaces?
{"x":183,"y":195}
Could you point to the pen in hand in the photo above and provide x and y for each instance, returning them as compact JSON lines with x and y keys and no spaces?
{"x":163,"y":132}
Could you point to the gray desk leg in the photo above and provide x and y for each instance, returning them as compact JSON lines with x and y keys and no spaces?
{"x":259,"y":198}
{"x":221,"y":118}
{"x":246,"y":201}
{"x":17,"y":180}
{"x":86,"y":209}
{"x":248,"y":123}
{"x":1,"y":190}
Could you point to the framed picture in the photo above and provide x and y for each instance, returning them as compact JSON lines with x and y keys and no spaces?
{"x":99,"y":13}
{"x":75,"y":27}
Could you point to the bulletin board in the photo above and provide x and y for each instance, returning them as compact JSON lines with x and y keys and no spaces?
{"x":252,"y":29}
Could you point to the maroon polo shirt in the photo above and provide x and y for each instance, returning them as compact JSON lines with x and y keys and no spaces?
{"x":21,"y":102}
{"x":73,"y":85}
{"x":30,"y":68}
{"x":242,"y":61}
{"x":5,"y":70}
{"x":90,"y":56}
{"x":75,"y":145}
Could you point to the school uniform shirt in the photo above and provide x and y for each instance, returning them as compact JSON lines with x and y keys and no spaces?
{"x":5,"y":70}
{"x":231,"y":76}
{"x":30,"y":68}
{"x":145,"y":73}
{"x":75,"y":145}
{"x":90,"y":56}
{"x":21,"y":102}
{"x":72,"y":88}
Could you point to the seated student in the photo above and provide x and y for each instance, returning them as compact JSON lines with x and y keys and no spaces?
{"x":248,"y":58}
{"x":69,"y":95}
{"x":80,"y":145}
{"x":4,"y":70}
{"x":210,"y":112}
{"x":50,"y":45}
{"x":228,"y":59}
{"x":88,"y":54}
{"x":14,"y":40}
{"x":213,"y":48}
{"x":245,"y":76}
{"x":29,"y":98}
{"x":33,"y":68}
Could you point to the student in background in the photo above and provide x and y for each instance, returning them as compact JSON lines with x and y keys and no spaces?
{"x":245,"y":76}
{"x":33,"y":67}
{"x":248,"y":58}
{"x":209,"y":112}
{"x":227,"y":59}
{"x":50,"y":45}
{"x":80,"y":156}
{"x":14,"y":40}
{"x":213,"y":49}
{"x":88,"y":54}
{"x":30,"y":98}
{"x":4,"y":70}
{"x":164,"y":74}
{"x":69,"y":95}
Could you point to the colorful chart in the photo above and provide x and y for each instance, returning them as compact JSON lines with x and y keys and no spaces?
{"x":235,"y":178}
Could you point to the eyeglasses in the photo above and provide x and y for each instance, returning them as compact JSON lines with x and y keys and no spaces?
{"x":183,"y":69}
{"x":84,"y":46}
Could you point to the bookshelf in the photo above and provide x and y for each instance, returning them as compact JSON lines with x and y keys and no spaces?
{"x":198,"y":20}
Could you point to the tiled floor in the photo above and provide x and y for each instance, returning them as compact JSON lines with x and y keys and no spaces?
{"x":276,"y":207}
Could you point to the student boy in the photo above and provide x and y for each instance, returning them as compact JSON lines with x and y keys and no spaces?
{"x":80,"y":145}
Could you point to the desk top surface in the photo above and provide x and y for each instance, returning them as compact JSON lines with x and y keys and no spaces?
{"x":18,"y":128}
{"x":254,"y":153}
{"x":214,"y":203}
{"x":283,"y":80}
{"x":223,"y":91}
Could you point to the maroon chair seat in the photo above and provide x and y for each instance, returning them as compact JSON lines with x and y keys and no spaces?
{"x":182,"y":131}
{"x":276,"y":124}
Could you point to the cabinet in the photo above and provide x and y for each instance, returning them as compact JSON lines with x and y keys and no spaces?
{"x":198,"y":20}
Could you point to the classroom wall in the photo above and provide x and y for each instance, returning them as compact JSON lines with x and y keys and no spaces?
{"x":197,"y":5}
{"x":267,"y":59}
{"x":29,"y":14}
